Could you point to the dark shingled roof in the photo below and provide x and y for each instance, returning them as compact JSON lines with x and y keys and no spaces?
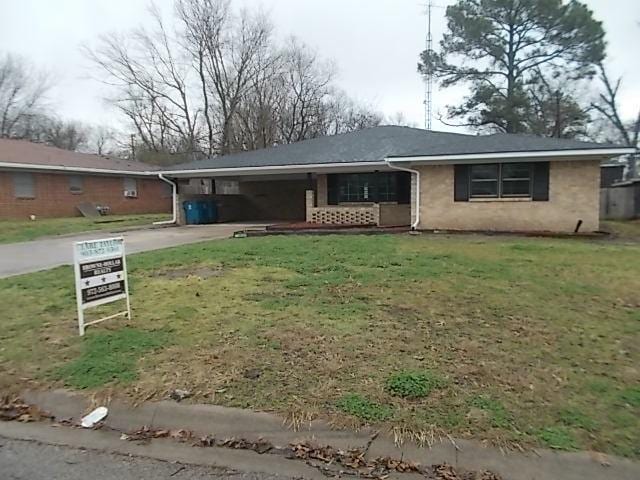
{"x":376,"y":143}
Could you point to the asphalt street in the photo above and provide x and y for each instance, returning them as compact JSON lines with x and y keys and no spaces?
{"x":29,"y":460}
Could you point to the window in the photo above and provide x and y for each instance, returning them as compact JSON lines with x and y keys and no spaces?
{"x":75,"y":184}
{"x":484,"y":180}
{"x":130,"y":187}
{"x":505,"y":180}
{"x":356,"y":187}
{"x":516,"y":180}
{"x":369,"y":187}
{"x":24,"y":185}
{"x":387,"y":188}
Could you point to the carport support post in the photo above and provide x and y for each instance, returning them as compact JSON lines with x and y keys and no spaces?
{"x":310,"y":203}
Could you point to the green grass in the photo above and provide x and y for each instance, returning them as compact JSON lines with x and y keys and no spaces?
{"x":559,"y":438}
{"x":498,"y":415}
{"x":24,"y":230}
{"x":358,"y":406}
{"x":110,"y":357}
{"x":407,"y":384}
{"x":537,"y":339}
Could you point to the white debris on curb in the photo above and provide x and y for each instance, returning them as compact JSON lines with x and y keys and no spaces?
{"x":94,"y":417}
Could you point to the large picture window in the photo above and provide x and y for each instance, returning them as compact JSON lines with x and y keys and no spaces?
{"x":369,"y":187}
{"x":500,"y":180}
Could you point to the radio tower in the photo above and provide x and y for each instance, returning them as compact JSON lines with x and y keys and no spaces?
{"x":428,"y":78}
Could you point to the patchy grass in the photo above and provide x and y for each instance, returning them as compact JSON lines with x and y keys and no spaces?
{"x":497,"y":413}
{"x":573,"y":417}
{"x":24,"y":230}
{"x":538,"y":339}
{"x":110,"y":357}
{"x":408,"y":384}
{"x":358,"y":406}
{"x":559,"y":438}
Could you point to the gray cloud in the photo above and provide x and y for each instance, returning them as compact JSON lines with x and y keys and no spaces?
{"x":374,"y":43}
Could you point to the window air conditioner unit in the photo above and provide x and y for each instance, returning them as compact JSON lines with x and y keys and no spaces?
{"x":130,"y":193}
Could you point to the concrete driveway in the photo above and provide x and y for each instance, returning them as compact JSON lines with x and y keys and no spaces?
{"x":26,"y":257}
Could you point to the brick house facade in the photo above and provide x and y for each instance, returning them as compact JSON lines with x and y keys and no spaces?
{"x":54,"y":197}
{"x":421,"y":179}
{"x":44,"y":181}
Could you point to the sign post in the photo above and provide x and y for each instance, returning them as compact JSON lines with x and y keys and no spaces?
{"x":101,"y":277}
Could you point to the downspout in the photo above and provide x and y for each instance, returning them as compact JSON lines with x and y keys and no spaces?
{"x":174,"y":188}
{"x":414,"y":225}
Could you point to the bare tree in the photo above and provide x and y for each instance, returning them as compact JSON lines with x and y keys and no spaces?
{"x":213,"y":81}
{"x":225,"y":48}
{"x":65,"y":134}
{"x":399,"y":118}
{"x":308,"y":83}
{"x":103,"y":140}
{"x":153,"y":86}
{"x":23,"y":91}
{"x":627,"y":132}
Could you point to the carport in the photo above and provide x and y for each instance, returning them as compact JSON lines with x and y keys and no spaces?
{"x":247,"y":197}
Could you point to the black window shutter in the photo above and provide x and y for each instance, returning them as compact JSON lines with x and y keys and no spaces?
{"x":332,"y":189}
{"x":540,"y":182}
{"x":403,"y":187}
{"x":461,"y":183}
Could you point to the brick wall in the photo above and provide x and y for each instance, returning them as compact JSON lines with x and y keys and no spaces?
{"x":573,"y":195}
{"x":54,"y":199}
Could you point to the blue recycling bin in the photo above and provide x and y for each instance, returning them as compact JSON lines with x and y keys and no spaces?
{"x":198,"y":212}
{"x":209,"y":211}
{"x":192,"y":212}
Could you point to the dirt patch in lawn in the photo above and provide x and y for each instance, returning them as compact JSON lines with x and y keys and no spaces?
{"x":516,"y":341}
{"x":200,"y":272}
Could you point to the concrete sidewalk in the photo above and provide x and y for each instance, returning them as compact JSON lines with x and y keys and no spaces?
{"x":230,"y":422}
{"x":27,"y":257}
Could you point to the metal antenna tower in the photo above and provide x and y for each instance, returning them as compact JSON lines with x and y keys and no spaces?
{"x":428,"y":78}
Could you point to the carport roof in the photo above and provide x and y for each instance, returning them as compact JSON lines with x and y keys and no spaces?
{"x":378,"y":144}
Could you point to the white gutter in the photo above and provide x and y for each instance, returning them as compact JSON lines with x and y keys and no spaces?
{"x":62,"y":168}
{"x":273,"y":168}
{"x":174,"y":196}
{"x":516,"y":155}
{"x":414,"y":225}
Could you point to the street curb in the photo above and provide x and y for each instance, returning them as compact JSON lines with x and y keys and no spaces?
{"x":159,"y":449}
{"x":224,"y":422}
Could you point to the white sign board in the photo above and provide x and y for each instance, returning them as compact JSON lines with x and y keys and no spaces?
{"x":101,"y":276}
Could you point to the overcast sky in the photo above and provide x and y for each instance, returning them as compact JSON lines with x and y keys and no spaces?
{"x":374,"y":43}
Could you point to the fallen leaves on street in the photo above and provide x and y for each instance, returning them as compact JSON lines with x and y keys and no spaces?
{"x":14,"y":409}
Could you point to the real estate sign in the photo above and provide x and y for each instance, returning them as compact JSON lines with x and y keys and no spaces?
{"x":101,"y":277}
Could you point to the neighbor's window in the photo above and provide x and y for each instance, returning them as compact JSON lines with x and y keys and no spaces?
{"x":130,"y":187}
{"x":75,"y":184}
{"x":24,"y":185}
{"x":500,"y":180}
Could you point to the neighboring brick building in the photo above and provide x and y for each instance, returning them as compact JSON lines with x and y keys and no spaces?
{"x":406,"y":176}
{"x":44,"y":181}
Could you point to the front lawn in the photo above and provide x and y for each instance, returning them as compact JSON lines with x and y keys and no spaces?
{"x":24,"y":230}
{"x":527,"y":341}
